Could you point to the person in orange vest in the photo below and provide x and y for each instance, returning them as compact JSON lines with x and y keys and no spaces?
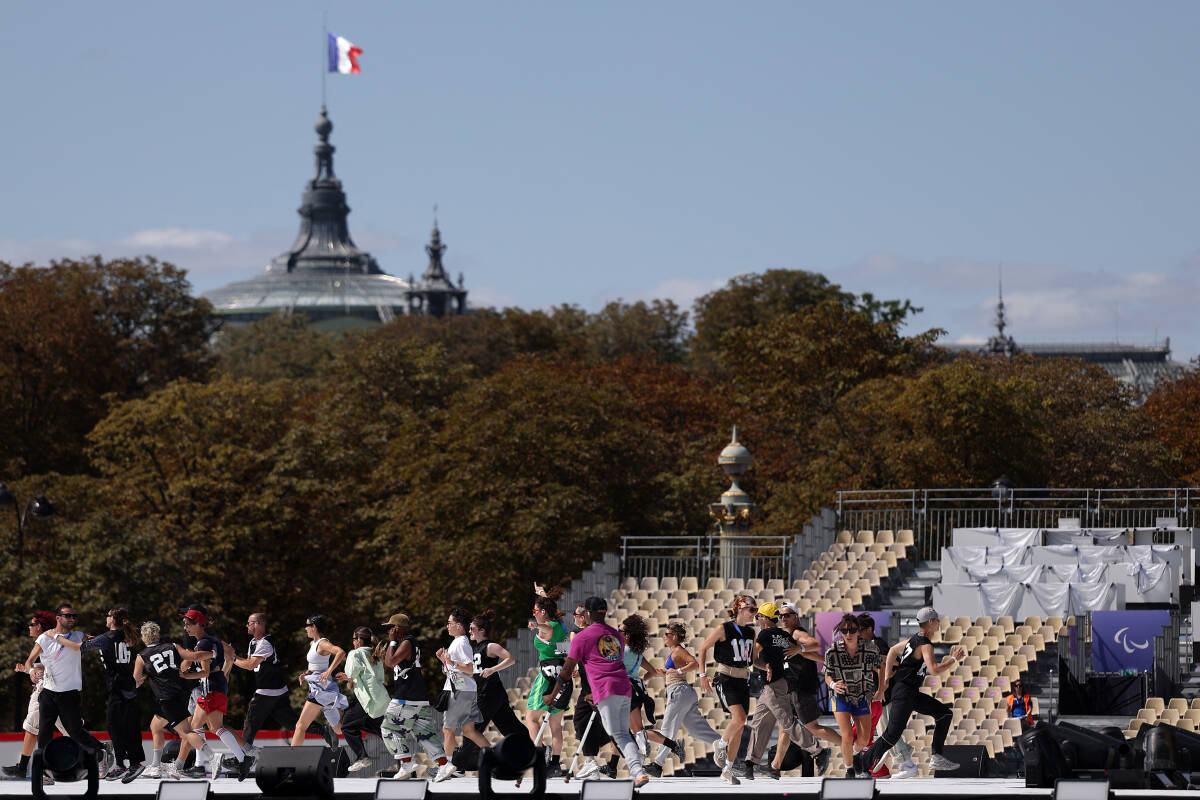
{"x":1020,"y":704}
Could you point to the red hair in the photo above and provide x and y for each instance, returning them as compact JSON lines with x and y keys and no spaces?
{"x":46,"y":620}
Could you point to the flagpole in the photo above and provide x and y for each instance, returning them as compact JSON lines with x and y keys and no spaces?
{"x":324,"y":53}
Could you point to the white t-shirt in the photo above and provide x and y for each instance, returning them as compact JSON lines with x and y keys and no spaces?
{"x":460,"y":653}
{"x":64,"y":672}
{"x":263,"y":648}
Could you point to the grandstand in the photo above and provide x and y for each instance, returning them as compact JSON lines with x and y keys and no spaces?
{"x":1023,"y":598}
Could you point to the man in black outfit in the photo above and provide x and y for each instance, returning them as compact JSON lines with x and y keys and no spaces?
{"x":270,"y":698}
{"x":905,"y":669}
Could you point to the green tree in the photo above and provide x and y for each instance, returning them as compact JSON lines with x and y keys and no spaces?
{"x":280,"y":346}
{"x":657,"y":329}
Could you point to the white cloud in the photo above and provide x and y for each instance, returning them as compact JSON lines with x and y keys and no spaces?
{"x":177,"y":238}
{"x":486,"y":296}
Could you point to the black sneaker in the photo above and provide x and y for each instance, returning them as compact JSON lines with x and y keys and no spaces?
{"x":850,"y":773}
{"x":743,"y":769}
{"x":652,"y":769}
{"x":133,"y":772}
{"x":678,"y":750}
{"x":609,"y":771}
{"x":115,"y":774}
{"x":555,"y":770}
{"x":197,"y":773}
{"x":860,"y":762}
{"x":771,"y":772}
{"x":243,"y":770}
{"x":821,"y":760}
{"x":14,"y":771}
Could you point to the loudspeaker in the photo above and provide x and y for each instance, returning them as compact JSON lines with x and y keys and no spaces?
{"x":1044,"y":761}
{"x":295,"y":772}
{"x":972,"y":760}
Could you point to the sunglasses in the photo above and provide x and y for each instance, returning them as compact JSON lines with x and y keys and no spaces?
{"x":848,"y":631}
{"x":66,"y":616}
{"x":788,"y":614}
{"x":33,"y":623}
{"x":580,"y":612}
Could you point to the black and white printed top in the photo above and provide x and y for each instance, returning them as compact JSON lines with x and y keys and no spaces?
{"x":859,"y":671}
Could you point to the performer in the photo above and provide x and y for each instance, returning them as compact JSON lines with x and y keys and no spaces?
{"x":408,"y":722}
{"x":775,"y":707}
{"x":458,"y":661}
{"x":907,"y":664}
{"x":733,"y":648}
{"x":364,"y":677}
{"x":585,"y":709}
{"x":41,"y":622}
{"x":63,"y":685}
{"x":213,"y":701}
{"x":270,"y":699}
{"x":162,"y":664}
{"x":902,"y":752}
{"x":324,"y":697}
{"x":599,"y":648}
{"x":637,"y":636}
{"x":490,"y":658}
{"x":550,"y":641}
{"x":800,"y":667}
{"x":852,"y":674}
{"x":683,"y":706}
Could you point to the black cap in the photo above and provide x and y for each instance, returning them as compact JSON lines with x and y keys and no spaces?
{"x":595,"y":604}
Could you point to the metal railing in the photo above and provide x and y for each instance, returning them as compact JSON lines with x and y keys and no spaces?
{"x":748,"y":557}
{"x":933,"y":514}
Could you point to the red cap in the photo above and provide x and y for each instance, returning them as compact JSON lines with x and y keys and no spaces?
{"x":196,"y":616}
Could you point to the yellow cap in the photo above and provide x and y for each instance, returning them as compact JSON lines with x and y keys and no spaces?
{"x":769,"y":610}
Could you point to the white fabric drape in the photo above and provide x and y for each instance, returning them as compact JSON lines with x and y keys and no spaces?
{"x":1054,"y":598}
{"x":1091,"y":596}
{"x":1001,"y":599}
{"x":1023,"y":573}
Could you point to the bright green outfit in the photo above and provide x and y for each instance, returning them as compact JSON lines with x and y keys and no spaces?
{"x":550,"y":660}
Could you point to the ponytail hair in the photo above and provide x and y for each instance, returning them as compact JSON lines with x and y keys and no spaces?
{"x":120,"y":615}
{"x":548,"y":602}
{"x":484,"y":622}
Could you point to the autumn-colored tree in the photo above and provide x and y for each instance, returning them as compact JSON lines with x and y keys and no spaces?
{"x":280,"y":346}
{"x":1174,"y":411}
{"x":76,"y":331}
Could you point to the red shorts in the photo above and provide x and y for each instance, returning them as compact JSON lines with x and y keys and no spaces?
{"x":214,"y":701}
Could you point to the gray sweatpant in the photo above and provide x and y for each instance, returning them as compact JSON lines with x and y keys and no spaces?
{"x":683,"y":710}
{"x":614,"y":715}
{"x":902,"y":751}
{"x":775,"y":708}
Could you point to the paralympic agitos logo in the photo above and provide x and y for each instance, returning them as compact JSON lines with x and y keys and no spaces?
{"x":1122,"y":639}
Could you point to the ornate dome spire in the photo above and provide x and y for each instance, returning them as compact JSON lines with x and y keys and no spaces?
{"x":324,"y":243}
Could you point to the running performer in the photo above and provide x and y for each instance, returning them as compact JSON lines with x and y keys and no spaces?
{"x":775,"y":708}
{"x":637,"y":636}
{"x":213,"y":702}
{"x":116,"y":655}
{"x":683,"y":706}
{"x":550,"y":641}
{"x":585,"y":709}
{"x":852,"y":675}
{"x":733,"y":649}
{"x":40,"y":622}
{"x":408,"y":723}
{"x":270,"y":698}
{"x":324,"y":697}
{"x":907,"y":664}
{"x":364,"y":677}
{"x":458,"y":662}
{"x":800,"y":667}
{"x":161,"y":663}
{"x":490,"y":658}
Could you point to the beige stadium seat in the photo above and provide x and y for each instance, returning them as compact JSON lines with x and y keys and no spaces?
{"x":735,"y":585}
{"x":1147,"y":715}
{"x":844,"y":537}
{"x":952,"y":634}
{"x":650,"y":584}
{"x":706,"y":594}
{"x":776,"y":585}
{"x":890,"y":559}
{"x":824,"y":604}
{"x":885,"y":537}
{"x":726,"y":597}
{"x":754,"y":586}
{"x":1180,"y":704}
{"x":715,"y":584}
{"x":1006,"y":623}
{"x":865,"y":537}
{"x":1055,"y":622}
{"x":856,"y":551}
{"x":1005,"y":651}
{"x":801,"y":585}
{"x":905,"y":537}
{"x":669,"y":584}
{"x":629,"y":584}
{"x":1170,"y":716}
{"x":1155,"y":703}
{"x":1185,"y":724}
{"x":985,"y":623}
{"x":689,"y":584}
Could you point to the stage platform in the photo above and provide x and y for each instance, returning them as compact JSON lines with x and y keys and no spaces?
{"x":664,"y":788}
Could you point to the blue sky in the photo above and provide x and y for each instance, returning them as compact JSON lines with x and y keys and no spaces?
{"x":584,"y":152}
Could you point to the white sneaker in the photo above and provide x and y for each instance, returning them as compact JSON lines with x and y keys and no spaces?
{"x":590,"y":769}
{"x":939,"y":761}
{"x":405,"y":770}
{"x":906,"y":770}
{"x":445,"y":772}
{"x":171,"y":771}
{"x":152,"y":772}
{"x":728,"y":776}
{"x":361,"y":764}
{"x":720,"y":750}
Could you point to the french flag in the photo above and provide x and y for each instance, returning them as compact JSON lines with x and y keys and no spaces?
{"x":343,"y":55}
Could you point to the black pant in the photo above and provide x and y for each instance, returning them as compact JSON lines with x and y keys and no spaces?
{"x":263,"y":707}
{"x":64,"y":706}
{"x":124,"y":728}
{"x":905,"y":700}
{"x":354,"y":722}
{"x":597,"y":737}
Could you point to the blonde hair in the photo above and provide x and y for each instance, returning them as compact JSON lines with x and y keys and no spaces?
{"x":150,"y":632}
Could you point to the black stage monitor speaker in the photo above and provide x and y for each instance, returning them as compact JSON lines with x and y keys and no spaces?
{"x":1044,"y":762}
{"x":295,"y":772}
{"x":972,"y":760}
